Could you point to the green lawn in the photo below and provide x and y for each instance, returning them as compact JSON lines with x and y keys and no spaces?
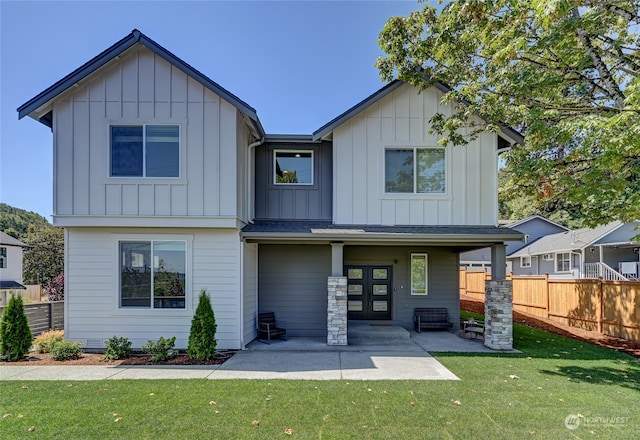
{"x":499,"y":396}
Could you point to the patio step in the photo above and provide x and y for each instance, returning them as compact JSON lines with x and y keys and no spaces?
{"x":381,"y":333}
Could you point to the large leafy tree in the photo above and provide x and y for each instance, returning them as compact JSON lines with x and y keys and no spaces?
{"x":563,"y":72}
{"x":44,"y":258}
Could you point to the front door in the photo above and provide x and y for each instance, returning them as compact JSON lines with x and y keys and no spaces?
{"x":369,"y":292}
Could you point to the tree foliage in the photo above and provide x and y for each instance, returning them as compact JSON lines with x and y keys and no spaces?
{"x":44,"y":258}
{"x":202,"y":342}
{"x":15,"y":334}
{"x":563,"y":72}
{"x":16,"y":221}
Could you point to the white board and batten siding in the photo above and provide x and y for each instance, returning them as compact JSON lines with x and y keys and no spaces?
{"x":142,"y":88}
{"x":92,"y":310}
{"x":401,"y":119}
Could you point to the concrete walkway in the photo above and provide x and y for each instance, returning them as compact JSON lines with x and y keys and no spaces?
{"x":297,"y":358}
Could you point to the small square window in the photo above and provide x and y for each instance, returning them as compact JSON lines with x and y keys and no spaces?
{"x":525,"y":261}
{"x":293,"y":167}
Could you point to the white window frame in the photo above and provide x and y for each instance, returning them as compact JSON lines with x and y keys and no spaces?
{"x":151,"y":311}
{"x":525,"y":261}
{"x":414,"y":292}
{"x":275,"y":157}
{"x":415,"y":173}
{"x":3,"y":257}
{"x":144,"y":149}
{"x":547,"y":257}
{"x":560,"y":259}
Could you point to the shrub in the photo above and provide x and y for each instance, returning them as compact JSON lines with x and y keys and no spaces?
{"x":161,"y":350}
{"x":46,"y":340}
{"x":15,"y":334}
{"x":55,"y":288}
{"x":202,"y":342}
{"x":65,"y":350}
{"x":116,"y":348}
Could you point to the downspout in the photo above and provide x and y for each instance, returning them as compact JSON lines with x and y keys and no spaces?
{"x":252,"y":174}
{"x":241,"y":320}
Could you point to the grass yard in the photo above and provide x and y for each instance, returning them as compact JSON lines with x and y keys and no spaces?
{"x":499,"y":396}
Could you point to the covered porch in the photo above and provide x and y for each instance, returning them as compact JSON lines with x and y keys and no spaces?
{"x":321,"y":278}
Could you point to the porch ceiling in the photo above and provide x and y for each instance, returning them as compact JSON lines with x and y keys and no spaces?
{"x":326,"y":232}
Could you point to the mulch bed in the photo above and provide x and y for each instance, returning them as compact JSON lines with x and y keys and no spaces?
{"x":39,"y":359}
{"x":622,"y":345}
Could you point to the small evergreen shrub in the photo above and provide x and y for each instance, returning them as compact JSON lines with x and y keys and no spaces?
{"x":46,"y":340}
{"x":202,"y":342}
{"x":161,"y":350}
{"x":116,"y":348}
{"x":15,"y":334}
{"x":65,"y":350}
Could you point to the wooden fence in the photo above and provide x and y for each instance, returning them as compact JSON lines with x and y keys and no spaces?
{"x":43,"y":316}
{"x":608,"y":307}
{"x":33,"y":293}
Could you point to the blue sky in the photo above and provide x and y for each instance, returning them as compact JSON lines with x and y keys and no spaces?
{"x":298,"y":63}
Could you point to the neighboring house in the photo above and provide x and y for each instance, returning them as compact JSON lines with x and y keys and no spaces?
{"x":166,"y":184}
{"x":608,"y":251}
{"x":533,"y":228}
{"x":10,"y":266}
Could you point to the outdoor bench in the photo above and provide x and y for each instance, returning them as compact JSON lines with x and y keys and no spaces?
{"x":431,"y":318}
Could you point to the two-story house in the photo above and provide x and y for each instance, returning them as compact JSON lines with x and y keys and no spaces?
{"x":10,"y":266}
{"x":166,"y":184}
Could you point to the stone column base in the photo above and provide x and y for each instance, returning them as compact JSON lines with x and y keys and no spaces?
{"x":498,"y":315}
{"x":337,"y":311}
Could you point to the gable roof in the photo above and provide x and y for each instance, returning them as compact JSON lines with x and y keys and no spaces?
{"x":517,"y":223}
{"x":40,"y":101}
{"x":8,"y":240}
{"x":567,"y":241}
{"x":323,"y":131}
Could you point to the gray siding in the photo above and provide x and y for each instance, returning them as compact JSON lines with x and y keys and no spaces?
{"x":623,"y":234}
{"x":292,"y":282}
{"x":443,"y":283}
{"x":250,"y":292}
{"x":534,"y":228}
{"x":294,"y":202}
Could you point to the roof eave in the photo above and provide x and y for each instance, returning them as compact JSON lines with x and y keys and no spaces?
{"x":435,"y":239}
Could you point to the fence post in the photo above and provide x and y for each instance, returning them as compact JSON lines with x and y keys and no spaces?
{"x":546,"y":292}
{"x":50,"y":305}
{"x":599,"y":309}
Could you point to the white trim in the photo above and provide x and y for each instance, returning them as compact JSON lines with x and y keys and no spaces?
{"x":522,"y":261}
{"x":275,"y":154}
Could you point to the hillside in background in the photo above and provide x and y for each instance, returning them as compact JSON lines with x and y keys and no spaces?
{"x":16,"y":221}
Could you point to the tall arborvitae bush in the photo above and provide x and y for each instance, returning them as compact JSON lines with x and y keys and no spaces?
{"x":202,"y":342}
{"x":15,"y":334}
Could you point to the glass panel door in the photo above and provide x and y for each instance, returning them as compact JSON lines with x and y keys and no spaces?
{"x":369,"y":292}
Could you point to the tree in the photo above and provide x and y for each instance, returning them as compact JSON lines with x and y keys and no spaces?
{"x":563,"y":72}
{"x":202,"y":342}
{"x":15,"y":334}
{"x":44,"y":258}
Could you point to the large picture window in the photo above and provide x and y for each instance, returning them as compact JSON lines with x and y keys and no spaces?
{"x":293,"y":167}
{"x":145,"y":151}
{"x":152,"y":274}
{"x":414,"y":170}
{"x":419,"y":274}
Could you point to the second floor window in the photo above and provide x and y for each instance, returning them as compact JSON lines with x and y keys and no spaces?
{"x":145,"y":151}
{"x":3,"y":257}
{"x":293,"y":167}
{"x":414,"y":170}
